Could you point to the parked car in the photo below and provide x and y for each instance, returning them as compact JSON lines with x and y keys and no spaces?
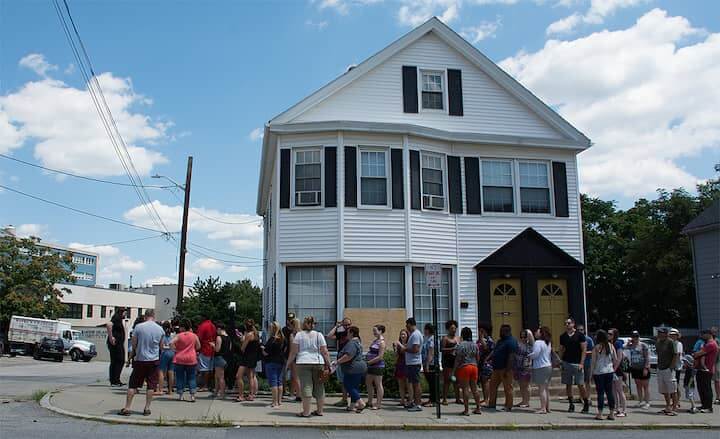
{"x":650,"y":342}
{"x":49,"y":347}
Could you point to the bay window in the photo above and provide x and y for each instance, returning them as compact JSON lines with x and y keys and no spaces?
{"x":375,"y":287}
{"x":308,"y":177}
{"x":373,"y":178}
{"x":311,"y":292}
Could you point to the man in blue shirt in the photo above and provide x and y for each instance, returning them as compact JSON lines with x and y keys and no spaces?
{"x":588,"y":358}
{"x":502,"y":359}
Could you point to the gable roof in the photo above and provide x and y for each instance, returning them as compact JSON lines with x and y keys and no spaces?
{"x":529,"y":249}
{"x":708,"y":219}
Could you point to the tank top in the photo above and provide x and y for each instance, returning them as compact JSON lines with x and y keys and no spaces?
{"x":185,"y":354}
{"x":448,"y":358}
{"x":252,"y":351}
{"x":373,"y":352}
{"x":224,"y":347}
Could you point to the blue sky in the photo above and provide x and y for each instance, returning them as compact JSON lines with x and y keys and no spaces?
{"x":188,"y":78}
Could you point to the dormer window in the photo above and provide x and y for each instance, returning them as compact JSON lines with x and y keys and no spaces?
{"x":432,"y":90}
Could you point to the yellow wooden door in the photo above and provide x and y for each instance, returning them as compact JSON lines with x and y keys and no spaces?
{"x":553,"y":304}
{"x":506,"y":305}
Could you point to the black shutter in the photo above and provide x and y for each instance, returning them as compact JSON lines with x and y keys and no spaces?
{"x":410,"y":95}
{"x":414,"y":179}
{"x":561,"y":193}
{"x":455,"y":99}
{"x":350,"y":176}
{"x":472,"y":185}
{"x":284,"y":178}
{"x":454,"y":181}
{"x":396,"y":166}
{"x":330,"y":176}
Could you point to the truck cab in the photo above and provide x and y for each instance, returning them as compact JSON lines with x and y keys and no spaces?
{"x":76,"y":347}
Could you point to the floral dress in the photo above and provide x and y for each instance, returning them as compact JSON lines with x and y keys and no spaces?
{"x":522,"y":369}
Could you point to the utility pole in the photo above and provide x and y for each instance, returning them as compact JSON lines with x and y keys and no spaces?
{"x":183,"y":235}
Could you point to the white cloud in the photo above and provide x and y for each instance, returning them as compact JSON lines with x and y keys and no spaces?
{"x":68,"y":132}
{"x":646,"y":95}
{"x":237,"y":269}
{"x":415,"y":12}
{"x":102,"y":250}
{"x":27,"y":230}
{"x":37,"y":63}
{"x":256,"y":134}
{"x":113,"y":265}
{"x":596,"y":14}
{"x":207,"y":264}
{"x":484,"y":30}
{"x":319,"y":25}
{"x":161,"y":280}
{"x":342,"y":7}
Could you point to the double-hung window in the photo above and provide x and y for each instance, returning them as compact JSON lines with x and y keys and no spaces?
{"x":311,"y":292}
{"x":432,"y":182}
{"x":432,"y":90}
{"x":534,"y":187}
{"x":497,"y":186}
{"x":375,"y":287}
{"x":308,"y":177}
{"x":373,"y":178}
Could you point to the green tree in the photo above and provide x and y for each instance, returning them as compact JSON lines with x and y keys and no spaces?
{"x":211,"y":298}
{"x":28,"y":274}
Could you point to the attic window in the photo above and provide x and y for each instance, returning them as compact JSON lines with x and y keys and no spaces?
{"x":432,"y":90}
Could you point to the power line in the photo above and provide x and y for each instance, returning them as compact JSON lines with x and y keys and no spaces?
{"x":162,"y":235}
{"x":84,"y":212}
{"x":98,"y":180}
{"x":214,"y":219}
{"x":224,"y":253}
{"x":199,"y":254}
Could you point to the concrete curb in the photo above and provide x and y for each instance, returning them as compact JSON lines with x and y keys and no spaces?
{"x":46,"y":403}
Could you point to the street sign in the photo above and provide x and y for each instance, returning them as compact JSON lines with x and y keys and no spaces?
{"x":433,"y":275}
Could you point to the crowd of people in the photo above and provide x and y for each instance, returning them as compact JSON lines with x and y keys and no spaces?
{"x":175,"y":357}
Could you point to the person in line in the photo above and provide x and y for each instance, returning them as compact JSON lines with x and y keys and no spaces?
{"x":589,"y":344}
{"x":502,"y":359}
{"x":222,"y":346}
{"x":292,"y":326}
{"x":350,"y":359}
{"x":250,"y":353}
{"x":666,"y":358}
{"x":146,"y":345}
{"x":522,"y":369}
{"x":206,"y":332}
{"x":573,"y":350}
{"x":274,"y":360}
{"x":485,"y":344}
{"x":542,"y":367}
{"x":639,"y":355}
{"x":674,"y":335}
{"x":166,"y":371}
{"x":185,"y":344}
{"x":689,"y":382}
{"x":447,"y":348}
{"x":465,"y":370}
{"x":413,"y":364}
{"x":618,"y":384}
{"x":707,"y":355}
{"x":604,"y":363}
{"x":116,"y":346}
{"x":375,"y":368}
{"x":339,"y":333}
{"x":310,"y":354}
{"x":427,"y":354}
{"x":400,"y":367}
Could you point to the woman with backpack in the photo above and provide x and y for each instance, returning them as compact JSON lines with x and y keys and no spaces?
{"x":639,"y":356}
{"x":604,"y":363}
{"x":350,"y":359}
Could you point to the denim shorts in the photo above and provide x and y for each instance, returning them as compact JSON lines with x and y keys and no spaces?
{"x":219,"y":362}
{"x":205,"y":364}
{"x":274,"y":374}
{"x":166,"y":361}
{"x":412,"y":373}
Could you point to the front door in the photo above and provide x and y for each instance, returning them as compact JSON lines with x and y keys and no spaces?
{"x":553,"y":304}
{"x":506,"y":305}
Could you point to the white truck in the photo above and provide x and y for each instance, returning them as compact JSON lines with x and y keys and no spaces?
{"x":26,"y":334}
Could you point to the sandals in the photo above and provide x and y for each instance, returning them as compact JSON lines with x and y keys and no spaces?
{"x":315,"y":413}
{"x":464,"y":414}
{"x":360,"y":410}
{"x":302,"y":415}
{"x":124,"y":412}
{"x":477,"y":412}
{"x":146,"y":412}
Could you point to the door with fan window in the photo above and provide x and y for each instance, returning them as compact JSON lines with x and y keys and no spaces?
{"x":553,"y":304}
{"x":506,"y":305}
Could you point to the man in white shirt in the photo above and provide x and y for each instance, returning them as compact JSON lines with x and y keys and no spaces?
{"x":674,"y":335}
{"x":413,"y":363}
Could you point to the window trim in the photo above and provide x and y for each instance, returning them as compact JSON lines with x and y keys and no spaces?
{"x":550,"y":188}
{"x":445,"y":184}
{"x":443,"y":73}
{"x":388,"y":182}
{"x":293,"y":152}
{"x":375,"y":266}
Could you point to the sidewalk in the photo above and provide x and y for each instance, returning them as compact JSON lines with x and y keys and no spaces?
{"x":101,"y":403}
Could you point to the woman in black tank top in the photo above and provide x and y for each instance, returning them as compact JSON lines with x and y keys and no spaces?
{"x":222,"y":354}
{"x":250,"y":353}
{"x":447,"y":347}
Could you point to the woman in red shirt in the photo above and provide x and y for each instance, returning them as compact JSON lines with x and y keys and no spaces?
{"x":186,"y":344}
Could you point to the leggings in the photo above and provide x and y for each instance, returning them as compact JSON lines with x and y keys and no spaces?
{"x":351,"y":381}
{"x":430,"y":378}
{"x":604,"y":385}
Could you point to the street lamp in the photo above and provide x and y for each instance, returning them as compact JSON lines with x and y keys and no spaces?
{"x":175,"y":183}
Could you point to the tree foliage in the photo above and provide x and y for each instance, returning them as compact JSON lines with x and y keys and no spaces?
{"x":210,"y":298}
{"x":639,"y":270}
{"x":28,"y":274}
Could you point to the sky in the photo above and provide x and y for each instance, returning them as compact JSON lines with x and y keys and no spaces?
{"x":639,"y":77}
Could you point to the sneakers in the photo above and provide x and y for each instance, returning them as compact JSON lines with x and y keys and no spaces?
{"x":571,"y":408}
{"x":414,"y":408}
{"x":646,"y":406}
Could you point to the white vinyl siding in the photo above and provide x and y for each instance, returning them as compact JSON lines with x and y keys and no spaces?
{"x":433,"y":181}
{"x":312,"y":292}
{"x":497,"y":186}
{"x":422,"y":299}
{"x":373,"y":177}
{"x":375,"y":287}
{"x":308,"y":177}
{"x":534,"y":187}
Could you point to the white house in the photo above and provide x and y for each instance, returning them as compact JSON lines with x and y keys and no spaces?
{"x":427,"y":152}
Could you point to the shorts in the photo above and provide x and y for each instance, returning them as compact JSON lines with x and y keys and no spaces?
{"x":666,"y":381}
{"x":542,"y":375}
{"x":219,"y":362}
{"x":310,"y":385}
{"x":587,"y":373}
{"x":205,"y":364}
{"x":166,"y":361}
{"x":375,"y":371}
{"x":640,"y":374}
{"x":468,"y":372}
{"x":412,"y":373}
{"x":273,"y":371}
{"x":400,"y":371}
{"x":716,"y":375}
{"x":144,"y":372}
{"x":571,"y":374}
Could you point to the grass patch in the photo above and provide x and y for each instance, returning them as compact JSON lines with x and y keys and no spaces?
{"x":39,"y":394}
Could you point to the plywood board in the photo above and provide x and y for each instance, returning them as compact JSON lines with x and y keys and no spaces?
{"x":365,"y":318}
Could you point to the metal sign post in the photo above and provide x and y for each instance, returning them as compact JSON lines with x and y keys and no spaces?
{"x":433,"y":280}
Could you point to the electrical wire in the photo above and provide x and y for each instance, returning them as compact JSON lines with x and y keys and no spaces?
{"x":162,"y":235}
{"x":211,"y":218}
{"x":199,"y":254}
{"x":98,"y":180}
{"x":84,"y":212}
{"x":224,"y":253}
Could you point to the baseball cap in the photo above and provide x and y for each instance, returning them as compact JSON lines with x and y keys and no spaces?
{"x":663,"y":330}
{"x":290,"y":315}
{"x":674,"y":331}
{"x":635,"y":334}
